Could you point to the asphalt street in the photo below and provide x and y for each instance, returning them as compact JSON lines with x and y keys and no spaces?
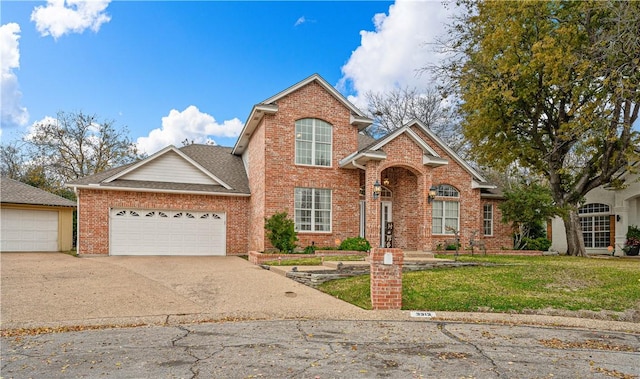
{"x":325,"y":349}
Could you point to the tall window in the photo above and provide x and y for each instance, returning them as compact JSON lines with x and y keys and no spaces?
{"x":313,"y":142}
{"x":312,"y":210}
{"x":595,"y":225}
{"x":487,"y":219}
{"x":446,"y":210}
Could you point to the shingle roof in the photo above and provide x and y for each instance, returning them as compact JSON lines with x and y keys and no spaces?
{"x":365,"y":141}
{"x":218,"y":160}
{"x":15,"y":192}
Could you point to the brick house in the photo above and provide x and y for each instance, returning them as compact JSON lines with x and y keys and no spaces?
{"x":300,"y":151}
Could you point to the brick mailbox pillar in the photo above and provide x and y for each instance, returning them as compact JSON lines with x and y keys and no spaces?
{"x":386,"y":278}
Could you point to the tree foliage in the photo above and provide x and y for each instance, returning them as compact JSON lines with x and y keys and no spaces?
{"x":526,"y":208}
{"x":552,"y":86}
{"x":69,"y":147}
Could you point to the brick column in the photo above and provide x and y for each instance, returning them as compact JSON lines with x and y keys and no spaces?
{"x":386,"y":279}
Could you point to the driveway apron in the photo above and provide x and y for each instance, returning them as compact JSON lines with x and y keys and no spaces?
{"x":58,"y":289}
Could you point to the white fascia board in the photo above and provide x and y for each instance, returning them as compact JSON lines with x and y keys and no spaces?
{"x":360,"y":122}
{"x":161,"y":153}
{"x":362,"y":155}
{"x":446,"y":148}
{"x":257,"y":112}
{"x":475,"y":184}
{"x":135,"y":189}
{"x":421,"y":142}
{"x":432,"y":161}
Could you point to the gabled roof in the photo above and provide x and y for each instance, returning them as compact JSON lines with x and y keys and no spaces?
{"x":225,"y":170}
{"x":270,"y":106}
{"x":15,"y":192}
{"x":431,"y":157}
{"x":157,"y":156}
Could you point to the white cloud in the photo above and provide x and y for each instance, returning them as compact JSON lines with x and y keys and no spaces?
{"x":391,"y":56}
{"x":189,"y":124}
{"x":60,"y":17}
{"x":300,"y":21}
{"x":13,"y":113}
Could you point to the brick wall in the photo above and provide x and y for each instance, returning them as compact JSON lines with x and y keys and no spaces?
{"x":94,"y":207}
{"x":282,"y":175}
{"x":256,"y":173}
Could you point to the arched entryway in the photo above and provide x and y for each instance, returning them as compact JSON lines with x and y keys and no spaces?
{"x":401,"y":209}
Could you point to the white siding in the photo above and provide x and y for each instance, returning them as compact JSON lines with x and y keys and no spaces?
{"x":169,"y":167}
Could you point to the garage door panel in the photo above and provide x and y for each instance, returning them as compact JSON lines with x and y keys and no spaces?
{"x":153,"y":232}
{"x":28,"y":230}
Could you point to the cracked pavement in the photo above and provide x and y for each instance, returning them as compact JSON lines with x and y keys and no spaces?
{"x":325,"y":349}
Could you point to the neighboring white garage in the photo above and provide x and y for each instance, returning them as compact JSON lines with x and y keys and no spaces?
{"x":33,"y":220}
{"x":163,"y":232}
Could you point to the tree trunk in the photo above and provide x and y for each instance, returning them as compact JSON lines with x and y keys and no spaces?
{"x":575,"y":241}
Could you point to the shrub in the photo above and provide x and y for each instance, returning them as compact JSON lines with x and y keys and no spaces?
{"x":311,"y":249}
{"x":281,"y":232}
{"x":540,"y":243}
{"x":453,"y":246}
{"x":355,"y":244}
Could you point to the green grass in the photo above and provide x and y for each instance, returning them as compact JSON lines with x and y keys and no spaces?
{"x":517,"y":284}
{"x":314,"y":261}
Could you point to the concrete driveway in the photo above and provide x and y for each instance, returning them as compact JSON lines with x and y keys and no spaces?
{"x":51,"y":289}
{"x":54,"y":290}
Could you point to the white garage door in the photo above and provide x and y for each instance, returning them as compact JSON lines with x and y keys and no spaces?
{"x":28,"y":230}
{"x":155,"y":232}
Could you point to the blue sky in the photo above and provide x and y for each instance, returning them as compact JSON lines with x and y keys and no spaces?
{"x":175,"y":70}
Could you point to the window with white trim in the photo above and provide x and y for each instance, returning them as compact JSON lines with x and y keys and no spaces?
{"x":313,"y":142}
{"x":487,"y":219}
{"x":445,"y":210}
{"x":595,"y":224}
{"x":312,"y":209}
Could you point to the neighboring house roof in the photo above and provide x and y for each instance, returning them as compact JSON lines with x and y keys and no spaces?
{"x":373,"y":151}
{"x":207,"y":169}
{"x":270,"y":106}
{"x":15,"y":192}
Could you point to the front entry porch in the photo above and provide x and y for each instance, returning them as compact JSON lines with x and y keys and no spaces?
{"x":395,"y":216}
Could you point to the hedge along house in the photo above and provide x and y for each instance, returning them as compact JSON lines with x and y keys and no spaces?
{"x":33,"y":220}
{"x":302,"y":152}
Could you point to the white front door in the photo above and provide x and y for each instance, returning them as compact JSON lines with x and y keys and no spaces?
{"x":385,"y":216}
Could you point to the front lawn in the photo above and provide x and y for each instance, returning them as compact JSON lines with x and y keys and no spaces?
{"x":516,"y":284}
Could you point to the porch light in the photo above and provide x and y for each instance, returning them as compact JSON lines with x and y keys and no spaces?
{"x":386,"y":181}
{"x":432,"y":194}
{"x":377,"y":189}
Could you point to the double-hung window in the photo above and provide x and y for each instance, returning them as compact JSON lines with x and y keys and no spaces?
{"x":595,"y":224}
{"x":313,"y":142}
{"x":446,"y":210}
{"x":487,"y":219}
{"x":312,"y":209}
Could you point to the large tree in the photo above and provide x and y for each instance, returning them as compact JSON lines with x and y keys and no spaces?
{"x":552,"y":86}
{"x":68,"y":147}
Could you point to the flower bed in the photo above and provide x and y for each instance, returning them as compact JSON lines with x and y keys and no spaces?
{"x":258,"y":258}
